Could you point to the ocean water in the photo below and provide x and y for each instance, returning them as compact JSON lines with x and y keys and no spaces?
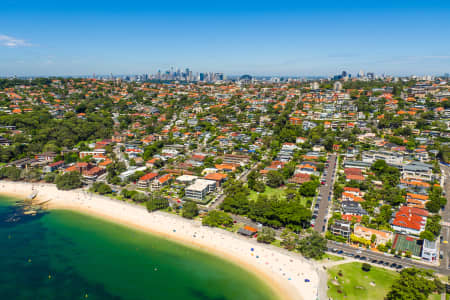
{"x":66,"y":255}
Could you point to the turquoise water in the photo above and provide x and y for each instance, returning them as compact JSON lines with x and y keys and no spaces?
{"x":67,"y":255}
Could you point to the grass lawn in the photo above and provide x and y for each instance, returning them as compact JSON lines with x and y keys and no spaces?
{"x":268,"y":192}
{"x":331,"y":257}
{"x":279,"y":192}
{"x":357,"y":284}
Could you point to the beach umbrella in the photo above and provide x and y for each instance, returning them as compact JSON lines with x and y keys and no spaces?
{"x":252,"y":249}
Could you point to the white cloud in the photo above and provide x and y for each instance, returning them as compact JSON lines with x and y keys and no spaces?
{"x":12,"y":42}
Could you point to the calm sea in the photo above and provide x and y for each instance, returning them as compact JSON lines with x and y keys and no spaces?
{"x":67,"y":255}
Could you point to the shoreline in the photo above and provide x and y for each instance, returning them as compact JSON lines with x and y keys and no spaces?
{"x":283,"y":272}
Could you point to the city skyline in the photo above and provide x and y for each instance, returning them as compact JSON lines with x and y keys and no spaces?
{"x":258,"y":38}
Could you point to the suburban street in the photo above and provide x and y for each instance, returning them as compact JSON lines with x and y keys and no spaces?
{"x":325,"y":193}
{"x":405,"y":262}
{"x":371,"y":255}
{"x":445,"y":213}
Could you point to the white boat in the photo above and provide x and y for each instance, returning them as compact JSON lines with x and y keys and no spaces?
{"x":32,"y":195}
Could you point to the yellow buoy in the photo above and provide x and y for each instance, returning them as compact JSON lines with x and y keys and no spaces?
{"x":29,"y":260}
{"x":49,"y":276}
{"x":85,"y":296}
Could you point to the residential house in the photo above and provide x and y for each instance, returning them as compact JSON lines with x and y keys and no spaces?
{"x":53,"y":166}
{"x":146,"y":180}
{"x":416,"y":200}
{"x":46,"y":156}
{"x":93,"y":153}
{"x":391,"y":158}
{"x":219,"y":178}
{"x":429,"y":250}
{"x":342,"y":228}
{"x":410,"y":220}
{"x":161,"y":182}
{"x":382,"y":237}
{"x":353,"y":208}
{"x":417,"y":171}
{"x":92,"y":174}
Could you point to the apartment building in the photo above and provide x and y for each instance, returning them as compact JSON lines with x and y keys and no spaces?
{"x":199,"y":189}
{"x":390,"y":157}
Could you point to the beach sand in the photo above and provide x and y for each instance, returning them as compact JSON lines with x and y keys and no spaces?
{"x":283,"y":271}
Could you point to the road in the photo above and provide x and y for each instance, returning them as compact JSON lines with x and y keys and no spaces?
{"x":405,"y":262}
{"x":445,"y":233}
{"x":325,"y":194}
{"x":445,"y":213}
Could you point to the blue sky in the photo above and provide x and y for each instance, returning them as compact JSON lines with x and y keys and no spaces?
{"x":257,"y":37}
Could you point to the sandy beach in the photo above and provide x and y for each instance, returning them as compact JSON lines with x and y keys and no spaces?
{"x":285,"y":272}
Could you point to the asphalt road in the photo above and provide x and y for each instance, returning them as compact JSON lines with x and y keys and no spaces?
{"x":445,"y":213}
{"x":325,"y":192}
{"x":371,"y":255}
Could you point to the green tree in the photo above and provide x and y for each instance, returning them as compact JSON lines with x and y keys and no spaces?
{"x":101,"y":188}
{"x":413,"y":283}
{"x":308,"y":189}
{"x":217,"y":218}
{"x":366,"y":267}
{"x":68,"y":181}
{"x":266,"y":235}
{"x":313,"y":246}
{"x":157,"y":202}
{"x":289,"y":239}
{"x":141,"y":198}
{"x":274,"y":179}
{"x":190,"y":210}
{"x":50,"y":177}
{"x":11,"y":173}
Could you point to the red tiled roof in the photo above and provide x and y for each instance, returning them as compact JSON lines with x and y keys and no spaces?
{"x":164,"y":178}
{"x":58,"y":163}
{"x":351,"y":189}
{"x":216,"y":176}
{"x":351,"y":217}
{"x":355,"y":177}
{"x":353,"y":171}
{"x":411,"y":221}
{"x":415,"y":211}
{"x":148,"y":176}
